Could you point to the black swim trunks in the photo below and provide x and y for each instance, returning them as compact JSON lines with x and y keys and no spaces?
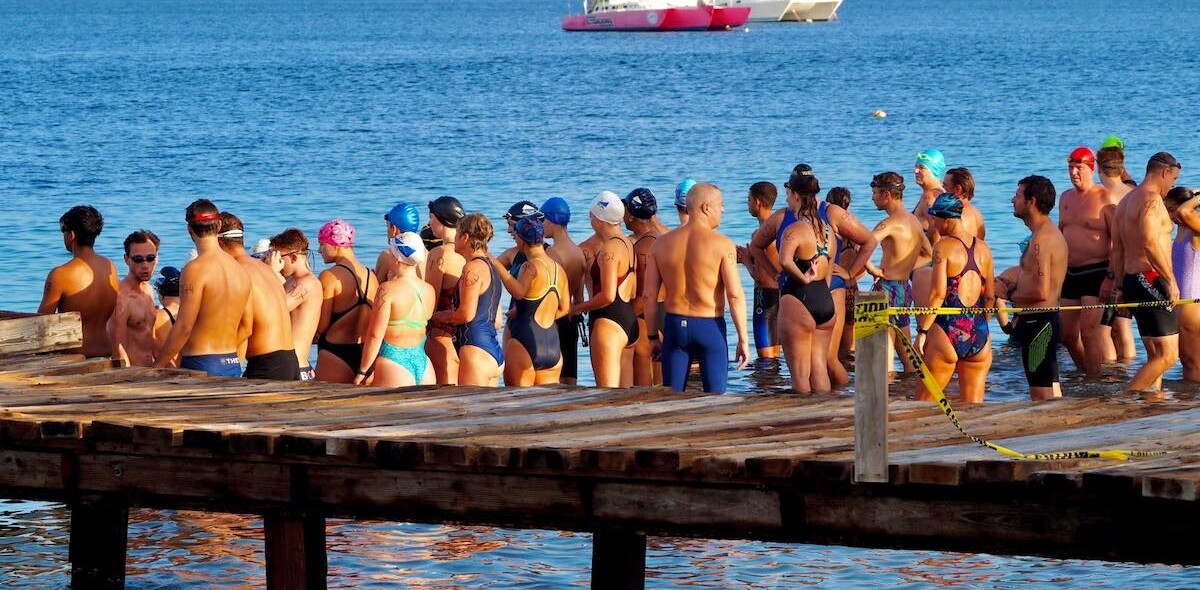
{"x":1039,"y":334}
{"x":280,"y":365}
{"x":1152,"y":322}
{"x":1084,"y":280}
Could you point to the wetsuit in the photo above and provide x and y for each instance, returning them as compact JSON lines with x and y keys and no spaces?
{"x":1145,"y":287}
{"x":541,"y":343}
{"x":481,"y":331}
{"x":349,"y":353}
{"x":968,"y":333}
{"x":411,"y":358}
{"x":688,"y":338}
{"x":619,"y":311}
{"x":1084,"y":280}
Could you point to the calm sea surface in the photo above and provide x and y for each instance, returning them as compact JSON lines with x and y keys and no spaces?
{"x":294,"y":113}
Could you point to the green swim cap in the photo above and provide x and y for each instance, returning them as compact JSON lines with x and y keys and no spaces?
{"x":1113,"y":141}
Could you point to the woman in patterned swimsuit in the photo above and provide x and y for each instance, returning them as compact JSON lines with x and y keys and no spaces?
{"x":962,"y":277}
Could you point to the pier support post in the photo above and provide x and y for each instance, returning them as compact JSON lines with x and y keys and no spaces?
{"x":99,"y":532}
{"x":871,"y":363}
{"x":295,"y":551}
{"x":618,"y":560}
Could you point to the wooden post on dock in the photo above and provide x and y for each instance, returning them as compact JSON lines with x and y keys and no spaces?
{"x":618,"y":560}
{"x":99,"y":532}
{"x":295,"y":551}
{"x":871,"y":363}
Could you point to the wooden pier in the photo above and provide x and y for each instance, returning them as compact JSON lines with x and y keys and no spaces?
{"x":621,"y":464}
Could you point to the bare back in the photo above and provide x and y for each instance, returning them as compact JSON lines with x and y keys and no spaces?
{"x":690,"y":263}
{"x":271,"y":330}
{"x":570,"y":257}
{"x":305,"y":315}
{"x":902,"y":238}
{"x":444,"y":267}
{"x":972,"y":220}
{"x":1144,"y":228}
{"x":223,"y":289}
{"x":348,"y":295}
{"x":86,"y":284}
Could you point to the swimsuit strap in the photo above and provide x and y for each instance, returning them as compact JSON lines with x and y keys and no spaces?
{"x":170,"y":315}
{"x":553,"y":285}
{"x":971,"y":265}
{"x":335,"y":316}
{"x":644,"y":237}
{"x":408,"y":319}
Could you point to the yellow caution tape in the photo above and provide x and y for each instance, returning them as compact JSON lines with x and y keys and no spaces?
{"x":871,"y":317}
{"x":1028,"y":310}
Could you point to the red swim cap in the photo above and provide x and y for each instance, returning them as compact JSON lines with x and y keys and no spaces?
{"x":1083,"y":155}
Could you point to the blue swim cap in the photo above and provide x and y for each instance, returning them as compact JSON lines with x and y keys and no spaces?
{"x":405,"y":217}
{"x":557,"y":211}
{"x":681,"y":191}
{"x":934,"y":161}
{"x":946,"y":206}
{"x":530,"y":230}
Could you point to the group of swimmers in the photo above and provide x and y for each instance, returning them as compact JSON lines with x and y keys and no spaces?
{"x":430,"y":310}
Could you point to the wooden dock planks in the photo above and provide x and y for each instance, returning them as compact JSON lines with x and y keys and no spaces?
{"x":641,"y":460}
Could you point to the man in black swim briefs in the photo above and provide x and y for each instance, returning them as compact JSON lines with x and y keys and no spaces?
{"x":1142,"y":261}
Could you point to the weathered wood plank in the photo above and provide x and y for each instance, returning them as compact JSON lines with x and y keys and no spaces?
{"x":41,"y":333}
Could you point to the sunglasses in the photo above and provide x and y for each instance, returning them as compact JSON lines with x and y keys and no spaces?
{"x":138,"y":259}
{"x":886,"y":185}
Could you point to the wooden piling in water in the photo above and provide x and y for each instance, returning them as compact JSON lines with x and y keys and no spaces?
{"x":99,"y":533}
{"x":618,"y":560}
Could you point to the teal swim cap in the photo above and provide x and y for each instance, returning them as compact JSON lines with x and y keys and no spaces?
{"x":681,"y":191}
{"x":1113,"y":141}
{"x":934,"y":161}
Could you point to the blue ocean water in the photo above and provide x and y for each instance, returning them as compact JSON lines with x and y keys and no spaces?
{"x":293,"y":113}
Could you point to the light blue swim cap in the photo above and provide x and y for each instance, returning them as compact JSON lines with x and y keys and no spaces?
{"x":681,"y":191}
{"x":934,"y":161}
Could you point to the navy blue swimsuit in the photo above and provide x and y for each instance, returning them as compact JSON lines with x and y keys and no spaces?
{"x":481,"y":331}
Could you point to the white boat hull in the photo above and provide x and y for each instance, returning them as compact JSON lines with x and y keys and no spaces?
{"x":790,"y":10}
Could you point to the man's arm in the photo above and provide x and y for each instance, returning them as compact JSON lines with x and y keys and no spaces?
{"x":761,"y":241}
{"x":1159,"y":257}
{"x":882,"y":231}
{"x":51,"y":293}
{"x":650,"y":299}
{"x":119,"y":330}
{"x":191,"y":293}
{"x":737,"y":302}
{"x":852,"y":229}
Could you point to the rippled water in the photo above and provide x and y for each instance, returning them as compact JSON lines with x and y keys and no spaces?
{"x":169,"y":550}
{"x":292,"y":113}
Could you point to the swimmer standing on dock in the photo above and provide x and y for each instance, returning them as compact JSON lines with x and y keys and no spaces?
{"x":133,"y":318}
{"x":87,"y":283}
{"x":214,"y":307}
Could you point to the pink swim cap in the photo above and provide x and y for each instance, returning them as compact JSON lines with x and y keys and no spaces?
{"x":337,"y":233}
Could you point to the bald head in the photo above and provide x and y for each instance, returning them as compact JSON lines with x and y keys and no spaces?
{"x":702,"y":194}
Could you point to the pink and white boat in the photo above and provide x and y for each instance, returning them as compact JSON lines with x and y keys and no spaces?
{"x":654,"y":15}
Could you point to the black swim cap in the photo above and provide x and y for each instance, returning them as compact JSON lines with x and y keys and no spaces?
{"x":168,"y":283}
{"x":447,"y":210}
{"x":641,"y":203}
{"x":431,"y":241}
{"x":803,"y":180}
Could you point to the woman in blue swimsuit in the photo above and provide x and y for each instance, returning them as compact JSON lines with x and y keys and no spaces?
{"x":474,"y":307}
{"x":532,"y":354}
{"x":962,"y":277}
{"x":395,"y":340}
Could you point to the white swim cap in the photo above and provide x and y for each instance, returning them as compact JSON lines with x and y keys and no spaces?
{"x":408,"y":248}
{"x":261,"y":248}
{"x":607,"y":207}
